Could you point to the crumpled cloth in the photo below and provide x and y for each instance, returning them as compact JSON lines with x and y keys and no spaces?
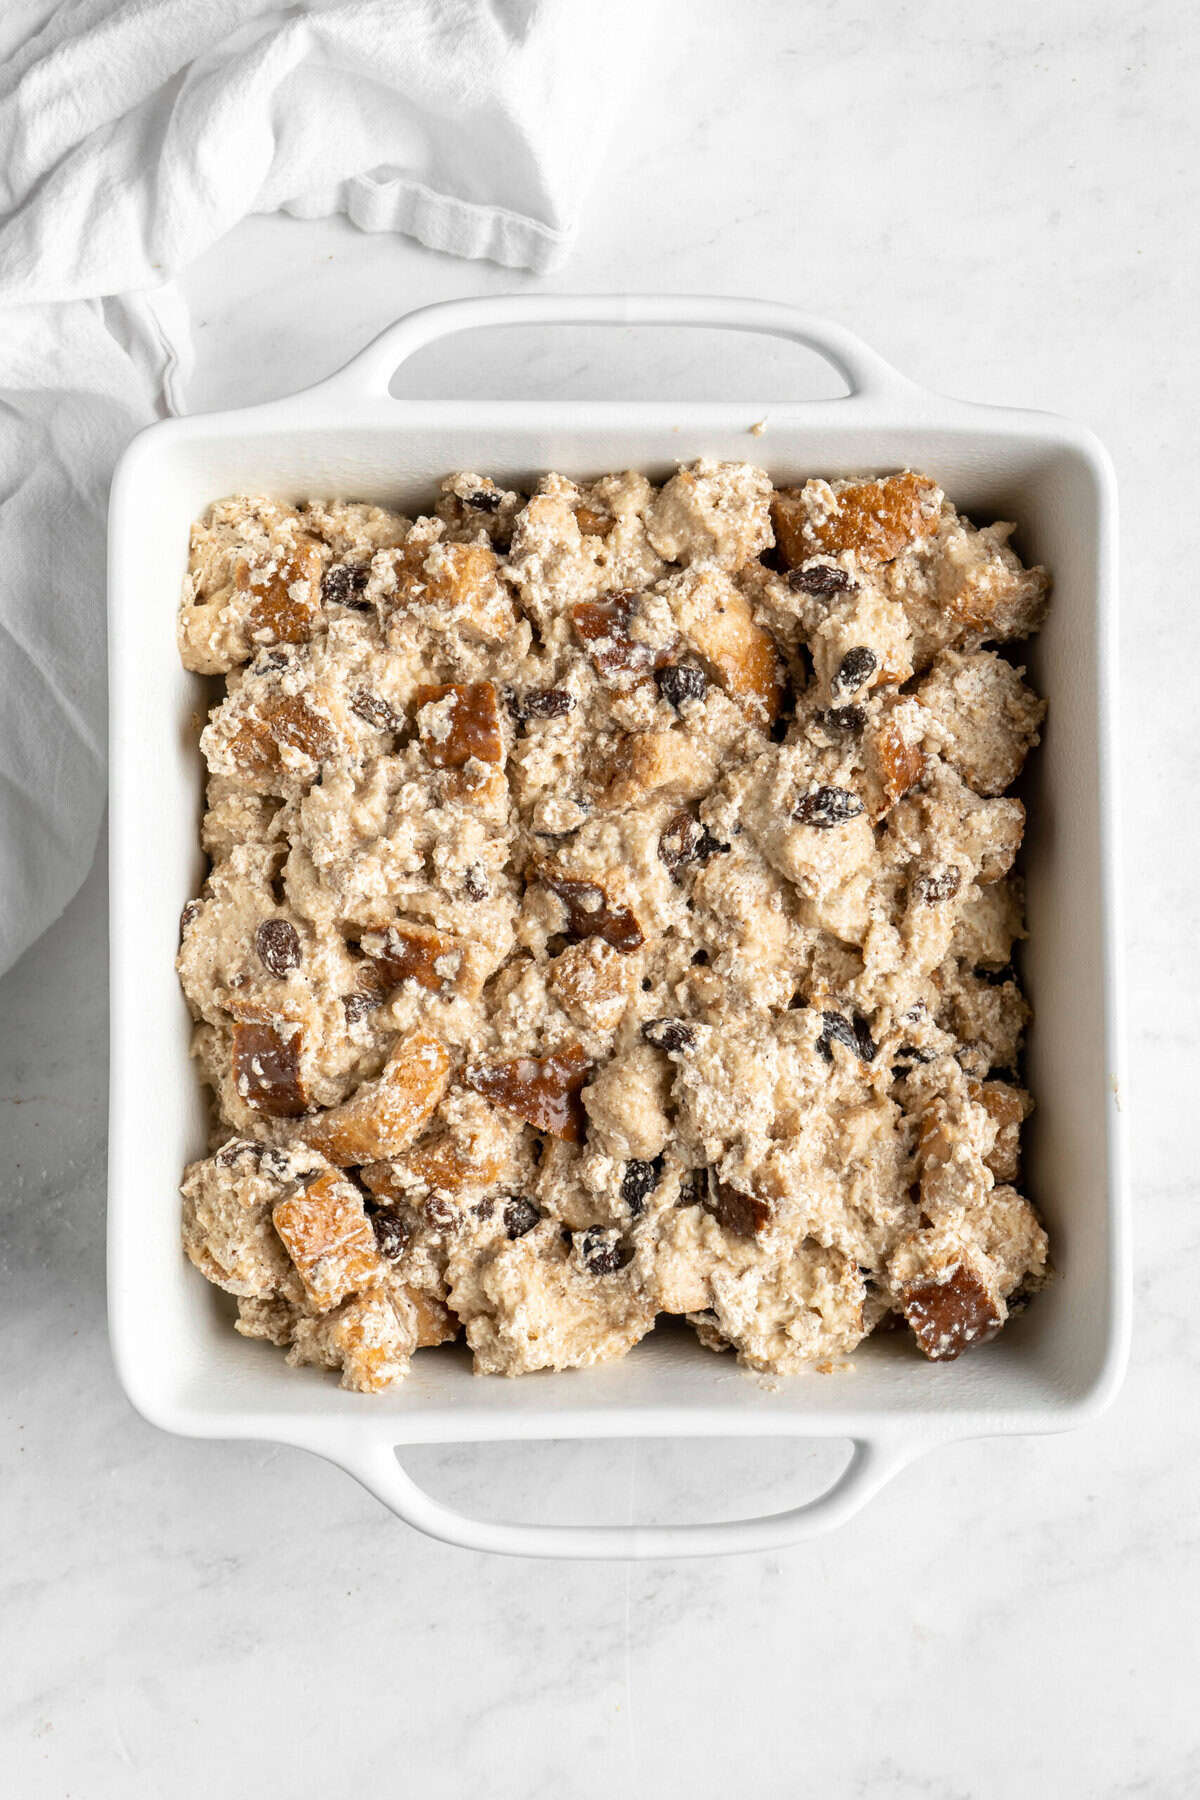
{"x":134,"y":134}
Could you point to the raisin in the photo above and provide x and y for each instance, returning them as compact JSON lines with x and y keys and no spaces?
{"x":392,"y":1232}
{"x":602,"y":1251}
{"x":640,"y":1178}
{"x":484,"y":500}
{"x":439,"y":1214}
{"x":682,"y":681}
{"x":913,"y":1056}
{"x":819,"y":578}
{"x":930,"y":890}
{"x":685,"y":840}
{"x":357,"y":1006}
{"x":545,"y":703}
{"x":668,"y":1034}
{"x":844,"y":718}
{"x":483,"y":1209}
{"x":694,"y":1190}
{"x":836,"y":1028}
{"x":826,"y":807}
{"x":743,"y":1214}
{"x":520,"y":1216}
{"x":475,"y":885}
{"x":856,"y":667}
{"x":343,"y":584}
{"x":265,"y":1155}
{"x":375,"y":711}
{"x":278,"y":946}
{"x":190,"y":912}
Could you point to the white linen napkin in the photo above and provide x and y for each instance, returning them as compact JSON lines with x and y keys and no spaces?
{"x":133,"y":134}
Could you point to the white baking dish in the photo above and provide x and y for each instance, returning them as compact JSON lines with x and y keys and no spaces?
{"x":182,"y":1365}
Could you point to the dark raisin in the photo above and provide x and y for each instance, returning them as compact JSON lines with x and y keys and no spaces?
{"x":694,"y":1188}
{"x":483,"y":1209}
{"x":375,"y":711}
{"x":857,"y":666}
{"x":229,"y":1153}
{"x":278,"y":946}
{"x":520,"y":1216}
{"x":191,"y":911}
{"x":826,"y":807}
{"x":484,"y":500}
{"x":640,"y":1178}
{"x":343,"y":584}
{"x":475,"y":885}
{"x":912,"y":1055}
{"x":685,"y":840}
{"x":819,"y":578}
{"x":392,"y":1232}
{"x":682,"y":681}
{"x":930,"y":890}
{"x":602,"y":1251}
{"x":668,"y":1034}
{"x":270,"y":1160}
{"x":357,"y":1006}
{"x":440,"y":1215}
{"x":844,"y":718}
{"x":546,"y":703}
{"x":995,"y":977}
{"x":855,"y":1035}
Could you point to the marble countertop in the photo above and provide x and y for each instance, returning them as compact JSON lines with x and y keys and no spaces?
{"x":1007,"y":211}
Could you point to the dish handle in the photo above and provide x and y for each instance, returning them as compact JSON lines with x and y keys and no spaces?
{"x":370,"y":372}
{"x":872,"y":1464}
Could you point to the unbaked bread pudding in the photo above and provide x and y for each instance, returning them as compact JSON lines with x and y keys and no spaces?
{"x":610,"y":914}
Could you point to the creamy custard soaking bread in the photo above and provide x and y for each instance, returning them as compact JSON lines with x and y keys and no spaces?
{"x":610,"y":914}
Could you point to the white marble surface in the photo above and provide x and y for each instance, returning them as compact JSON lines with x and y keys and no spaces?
{"x":1006,"y":206}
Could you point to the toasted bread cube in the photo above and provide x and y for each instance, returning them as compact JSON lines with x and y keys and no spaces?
{"x":894,"y":758}
{"x":1008,"y":1107}
{"x":433,"y":959}
{"x":952,"y":1313}
{"x":325,"y":1230}
{"x":667,"y":763}
{"x":459,"y":722}
{"x":267,"y":1065}
{"x":873,"y":519}
{"x":372,"y":1336}
{"x":591,"y":910}
{"x":254,"y":578}
{"x":277,"y":734}
{"x":716,"y":618}
{"x":384,"y":1116}
{"x":544,"y":1091}
{"x":227,"y":1202}
{"x":456,"y":583}
{"x":593,"y":983}
{"x":986,"y":717}
{"x":712,"y":512}
{"x":284,"y":593}
{"x":593,"y":523}
{"x":612,"y":631}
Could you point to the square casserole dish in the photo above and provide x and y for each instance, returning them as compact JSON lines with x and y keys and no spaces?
{"x":181,"y":1364}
